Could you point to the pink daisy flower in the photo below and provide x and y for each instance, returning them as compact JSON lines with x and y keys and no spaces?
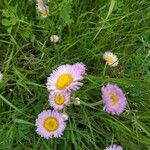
{"x":59,"y":100}
{"x":113,"y":99}
{"x":40,"y":5}
{"x":114,"y":147}
{"x":64,"y":79}
{"x":45,"y":11}
{"x":80,"y":67}
{"x":111,"y":59}
{"x":50,"y":124}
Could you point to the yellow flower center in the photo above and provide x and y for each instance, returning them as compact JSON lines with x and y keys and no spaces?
{"x":44,"y":12}
{"x":59,"y":99}
{"x":114,"y":99}
{"x":64,"y":81}
{"x":51,"y":124}
{"x":110,"y":59}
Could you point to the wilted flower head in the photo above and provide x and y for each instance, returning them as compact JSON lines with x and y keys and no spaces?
{"x":40,"y":5}
{"x":45,"y":11}
{"x":59,"y":100}
{"x":111,"y":59}
{"x":64,"y":79}
{"x":113,"y":99}
{"x":50,"y":124}
{"x":114,"y":147}
{"x":54,"y":38}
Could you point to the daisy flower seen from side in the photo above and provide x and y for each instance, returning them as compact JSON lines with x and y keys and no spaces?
{"x":54,"y":38}
{"x":40,"y":5}
{"x":111,"y":59}
{"x":114,"y":99}
{"x":80,"y":67}
{"x":114,"y":147}
{"x":59,"y":100}
{"x":45,"y":11}
{"x":1,"y":76}
{"x":50,"y":124}
{"x":64,"y":79}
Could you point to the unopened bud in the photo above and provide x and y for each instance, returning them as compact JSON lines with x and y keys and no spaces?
{"x":65,"y":116}
{"x":77,"y":101}
{"x":54,"y":38}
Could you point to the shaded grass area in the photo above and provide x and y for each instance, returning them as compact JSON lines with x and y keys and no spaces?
{"x":87,"y":30}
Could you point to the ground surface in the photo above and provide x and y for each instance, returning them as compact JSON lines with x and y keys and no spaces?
{"x":87,"y":28}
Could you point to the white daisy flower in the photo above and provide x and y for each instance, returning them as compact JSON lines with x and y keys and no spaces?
{"x":111,"y":59}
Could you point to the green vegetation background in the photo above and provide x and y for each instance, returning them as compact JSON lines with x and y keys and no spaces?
{"x":87,"y":28}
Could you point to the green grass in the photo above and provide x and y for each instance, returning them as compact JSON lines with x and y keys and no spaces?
{"x":87,"y":28}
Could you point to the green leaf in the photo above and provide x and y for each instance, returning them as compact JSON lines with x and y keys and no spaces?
{"x":9,"y":30}
{"x":9,"y":103}
{"x":14,"y":20}
{"x":6,"y":22}
{"x":112,"y":4}
{"x":65,"y":11}
{"x":23,"y":122}
{"x":5,"y":13}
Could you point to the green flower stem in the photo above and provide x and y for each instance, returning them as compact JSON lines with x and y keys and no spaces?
{"x":92,"y":105}
{"x":104,"y":69}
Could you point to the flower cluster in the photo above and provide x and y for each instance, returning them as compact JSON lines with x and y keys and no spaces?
{"x":42,"y":8}
{"x":67,"y":78}
{"x":60,"y":83}
{"x":113,"y":97}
